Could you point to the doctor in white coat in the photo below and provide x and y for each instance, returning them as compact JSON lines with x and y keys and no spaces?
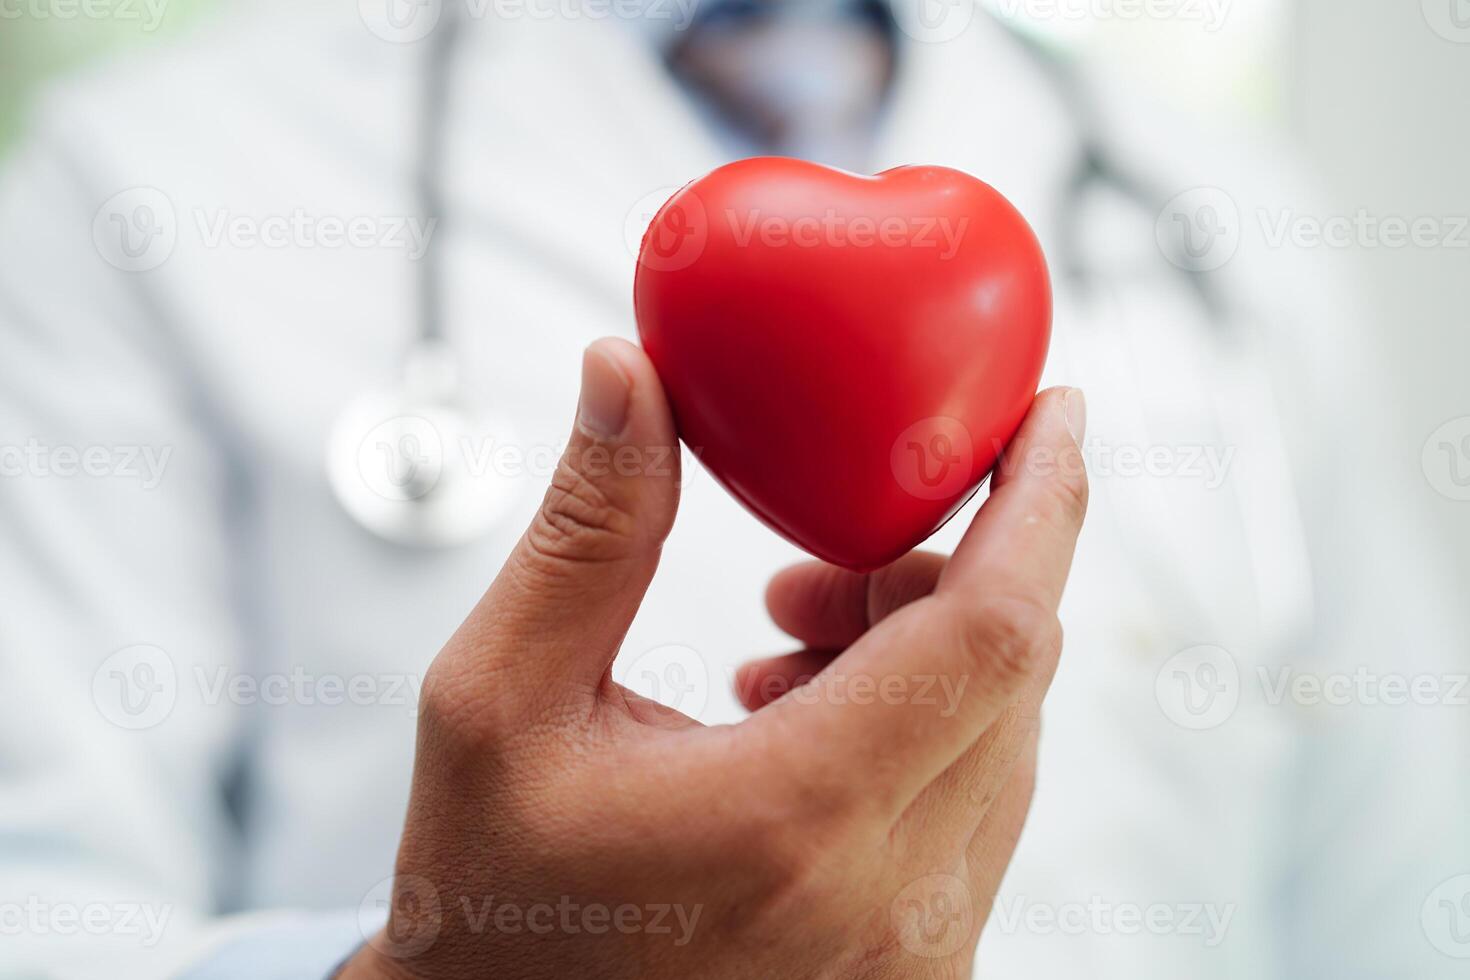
{"x":211,"y":671}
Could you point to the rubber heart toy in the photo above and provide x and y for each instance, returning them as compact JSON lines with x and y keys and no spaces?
{"x":847,"y":354}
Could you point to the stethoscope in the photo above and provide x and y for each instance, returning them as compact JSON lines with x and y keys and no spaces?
{"x":411,"y":461}
{"x":406,"y":461}
{"x":1271,"y":527}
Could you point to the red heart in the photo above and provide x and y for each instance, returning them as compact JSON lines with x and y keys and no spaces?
{"x":846,"y":354}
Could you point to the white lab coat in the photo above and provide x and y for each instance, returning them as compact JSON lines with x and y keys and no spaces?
{"x":1318,"y":832}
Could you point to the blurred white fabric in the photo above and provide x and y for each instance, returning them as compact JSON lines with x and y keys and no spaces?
{"x":1278,"y":840}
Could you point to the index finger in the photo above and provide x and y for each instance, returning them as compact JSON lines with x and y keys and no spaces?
{"x":914,"y":693}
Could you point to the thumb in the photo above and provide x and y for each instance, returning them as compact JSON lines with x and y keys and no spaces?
{"x":560,"y":607}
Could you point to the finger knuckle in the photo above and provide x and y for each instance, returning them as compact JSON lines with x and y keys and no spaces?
{"x":770,"y":838}
{"x":1009,"y":638}
{"x":794,"y":859}
{"x":798,"y":812}
{"x":580,"y":521}
{"x":477,"y":685}
{"x":451,"y":714}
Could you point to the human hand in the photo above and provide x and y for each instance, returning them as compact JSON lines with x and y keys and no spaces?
{"x":563,"y":826}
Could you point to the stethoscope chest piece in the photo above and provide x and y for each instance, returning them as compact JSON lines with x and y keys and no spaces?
{"x":412,"y":463}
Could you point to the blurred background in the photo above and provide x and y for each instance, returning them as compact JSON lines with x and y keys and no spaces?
{"x":1370,"y":94}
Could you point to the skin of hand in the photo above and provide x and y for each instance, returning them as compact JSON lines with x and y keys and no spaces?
{"x":857,"y":824}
